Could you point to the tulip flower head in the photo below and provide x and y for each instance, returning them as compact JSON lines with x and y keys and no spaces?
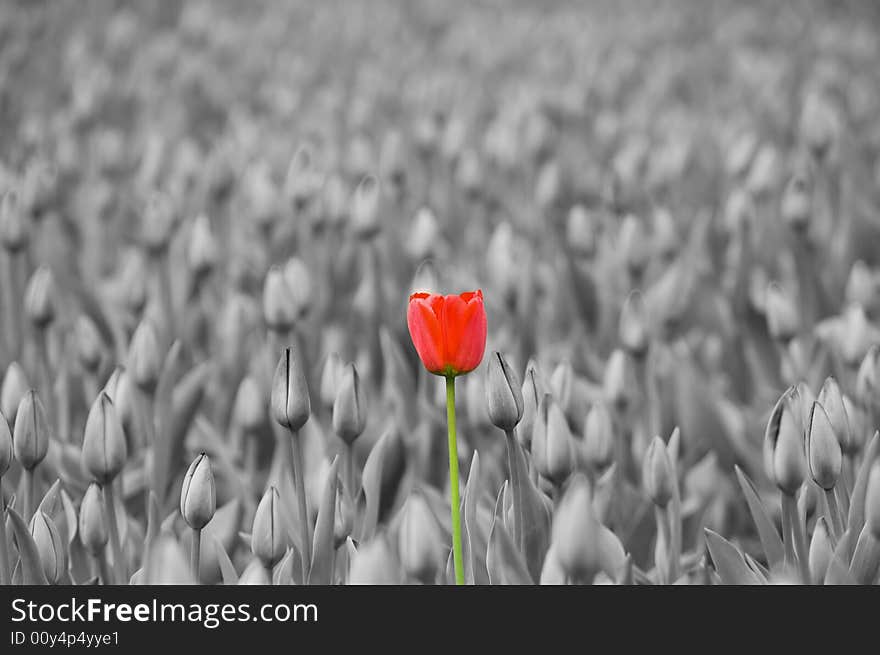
{"x":198,"y":497}
{"x":449,"y":332}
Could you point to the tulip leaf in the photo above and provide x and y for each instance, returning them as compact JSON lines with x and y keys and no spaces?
{"x":856,"y":516}
{"x":223,"y":527}
{"x":612,"y":556}
{"x":473,"y":540}
{"x":535,"y":515}
{"x":504,"y":563}
{"x":729,"y":562}
{"x":283,"y":573}
{"x":371,"y":483}
{"x":162,"y":411}
{"x":227,"y":570}
{"x":323,"y":550}
{"x":31,"y":566}
{"x":770,"y":539}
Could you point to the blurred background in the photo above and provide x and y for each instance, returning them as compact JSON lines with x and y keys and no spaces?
{"x":671,"y":208}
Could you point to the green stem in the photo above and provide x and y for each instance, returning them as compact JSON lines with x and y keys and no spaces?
{"x":457,"y":556}
{"x":300,"y":482}
{"x":115,"y":544}
{"x":195,"y":553}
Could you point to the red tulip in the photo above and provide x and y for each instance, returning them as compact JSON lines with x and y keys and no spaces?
{"x":449,"y":332}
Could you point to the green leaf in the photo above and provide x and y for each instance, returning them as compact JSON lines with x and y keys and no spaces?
{"x":323,"y":551}
{"x":771,"y":542}
{"x":729,"y":562}
{"x":31,"y":567}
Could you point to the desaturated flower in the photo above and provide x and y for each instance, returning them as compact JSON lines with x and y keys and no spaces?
{"x":198,"y":497}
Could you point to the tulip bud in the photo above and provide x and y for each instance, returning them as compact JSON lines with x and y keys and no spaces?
{"x":823,"y":451}
{"x":576,"y":532}
{"x":13,"y":226}
{"x":633,"y":244}
{"x":299,"y":285}
{"x":580,"y":231}
{"x":198,"y":496}
{"x":424,"y":234}
{"x":202,"y":250}
{"x":277,"y":306}
{"x":144,"y":358}
{"x":868,"y":380}
{"x":598,"y":448}
{"x":92,"y":522}
{"x":872,"y":500}
{"x":551,"y":441}
{"x":330,"y":376}
{"x":657,"y":473}
{"x":784,"y":445}
{"x":532,"y":392}
{"x":374,"y":563}
{"x":781,"y":313}
{"x":350,"y":406}
{"x":365,"y":218}
{"x":619,"y":380}
{"x":797,"y":203}
{"x":5,"y":447}
{"x":15,"y":386}
{"x":89,"y":345}
{"x":633,"y":328}
{"x":861,"y":285}
{"x":104,"y":451}
{"x":821,"y":551}
{"x":504,"y":395}
{"x":268,"y":539}
{"x":290,"y":393}
{"x":39,"y":298}
{"x":249,"y":407}
{"x":30,"y":436}
{"x":158,"y":223}
{"x":50,"y":547}
{"x":764,"y":171}
{"x":420,"y":540}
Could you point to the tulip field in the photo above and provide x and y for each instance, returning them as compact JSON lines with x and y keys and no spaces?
{"x":439,"y":292}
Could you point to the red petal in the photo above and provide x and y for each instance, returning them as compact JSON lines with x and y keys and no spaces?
{"x":426,"y":331}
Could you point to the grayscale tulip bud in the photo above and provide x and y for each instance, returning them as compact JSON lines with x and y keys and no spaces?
{"x":15,"y":386}
{"x":783,"y":321}
{"x":144,"y":357}
{"x":821,"y":551}
{"x":268,"y":538}
{"x":598,"y":443}
{"x":104,"y":450}
{"x":158,"y":223}
{"x":92,"y":520}
{"x":551,"y":442}
{"x":330,"y":376}
{"x":797,"y":203}
{"x":532,"y":391}
{"x":198,"y":496}
{"x":420,"y":540}
{"x":5,"y":447}
{"x":350,"y":406}
{"x":365,"y":218}
{"x":30,"y":436}
{"x":13,"y":224}
{"x":633,"y":329}
{"x":831,"y":399}
{"x":278,"y":310}
{"x":39,"y":298}
{"x":619,"y":380}
{"x":504,"y":396}
{"x":202,"y":250}
{"x":249,"y":407}
{"x":581,"y":232}
{"x":290,"y":394}
{"x":576,"y":532}
{"x":824,"y":456}
{"x":657,"y":475}
{"x":50,"y":547}
{"x":374,"y":563}
{"x":424,"y":235}
{"x":300,"y":286}
{"x":89,"y":344}
{"x":784,"y":445}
